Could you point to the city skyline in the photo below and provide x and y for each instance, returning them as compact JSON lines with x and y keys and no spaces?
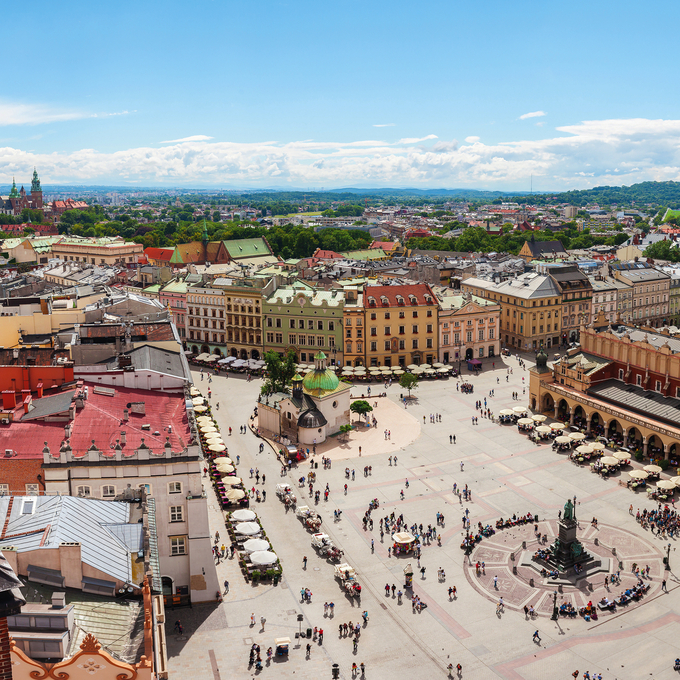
{"x":453,"y":96}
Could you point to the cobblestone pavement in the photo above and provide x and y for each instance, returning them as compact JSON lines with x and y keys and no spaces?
{"x":507,"y":474}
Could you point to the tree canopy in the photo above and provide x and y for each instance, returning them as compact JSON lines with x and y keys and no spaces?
{"x":360,"y":407}
{"x":279,"y":372}
{"x":409,"y":382}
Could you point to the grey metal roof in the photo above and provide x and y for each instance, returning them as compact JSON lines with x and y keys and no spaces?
{"x":47,"y":406}
{"x":643,"y":336}
{"x":130,"y":535}
{"x":158,"y":360}
{"x":645,"y":402}
{"x":312,"y":418}
{"x":70,"y":520}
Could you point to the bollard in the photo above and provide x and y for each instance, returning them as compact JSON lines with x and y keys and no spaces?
{"x":590,"y":586}
{"x":512,"y":557}
{"x":613,"y":551}
{"x":524,"y":545}
{"x":514,"y":569}
{"x":559,"y":588}
{"x":596,"y":541}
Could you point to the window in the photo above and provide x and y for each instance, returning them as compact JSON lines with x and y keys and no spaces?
{"x":638,"y":380}
{"x":414,"y":343}
{"x":108,"y":491}
{"x":292,"y":339}
{"x":360,"y":347}
{"x":270,"y":337}
{"x":4,"y":489}
{"x":28,"y":506}
{"x":415,"y":313}
{"x":269,"y":322}
{"x":302,"y":340}
{"x":402,"y":330}
{"x":178,"y":545}
{"x":657,"y":388}
{"x":301,"y":323}
{"x":387,"y":345}
{"x":348,"y":322}
{"x":279,"y":338}
{"x":481,"y":334}
{"x":402,"y":344}
{"x":429,"y":328}
{"x":456,"y":338}
{"x":374,"y":316}
{"x":175,"y":487}
{"x":348,"y":333}
{"x":387,"y":315}
{"x":331,"y":325}
{"x":469,"y":336}
{"x":291,"y":323}
{"x":402,"y":315}
{"x":319,"y":325}
{"x":374,"y":331}
{"x":320,"y":341}
{"x":176,"y":513}
{"x":414,"y":328}
{"x":491,"y":333}
{"x":310,"y":324}
{"x":310,"y":340}
{"x":388,"y":330}
{"x":429,"y":343}
{"x":429,"y":312}
{"x":32,"y":490}
{"x":446,"y":338}
{"x":278,"y":323}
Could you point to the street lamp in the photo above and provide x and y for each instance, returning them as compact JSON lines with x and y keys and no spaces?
{"x":668,"y":557}
{"x":555,"y":614}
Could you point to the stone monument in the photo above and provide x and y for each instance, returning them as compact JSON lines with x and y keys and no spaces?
{"x":566,"y":549}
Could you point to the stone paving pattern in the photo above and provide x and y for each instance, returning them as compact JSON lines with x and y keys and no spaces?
{"x":507,"y":474}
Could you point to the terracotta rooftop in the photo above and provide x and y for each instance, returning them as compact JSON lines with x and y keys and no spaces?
{"x":101,"y":419}
{"x":158,"y":332}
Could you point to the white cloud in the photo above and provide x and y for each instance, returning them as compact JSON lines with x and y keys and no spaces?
{"x":532,"y":114}
{"x":14,"y":113}
{"x":416,"y":140}
{"x":383,"y":124}
{"x":193,"y":138}
{"x":583,"y":154}
{"x":472,"y":139}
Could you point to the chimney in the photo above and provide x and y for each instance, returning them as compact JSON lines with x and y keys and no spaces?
{"x":126,"y":415}
{"x":123,"y":437}
{"x":9,"y":400}
{"x":58,"y":600}
{"x":39,"y":388}
{"x":27,"y":401}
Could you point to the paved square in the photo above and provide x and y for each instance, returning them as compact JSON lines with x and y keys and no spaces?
{"x":506,"y":474}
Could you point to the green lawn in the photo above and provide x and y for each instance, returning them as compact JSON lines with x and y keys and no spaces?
{"x":670,"y":214}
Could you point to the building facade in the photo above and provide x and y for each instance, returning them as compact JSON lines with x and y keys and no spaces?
{"x":530,"y":309}
{"x":174,"y":297}
{"x":206,"y":324}
{"x":576,"y":297}
{"x":106,"y":250}
{"x":401,"y":325}
{"x":469,"y":327}
{"x":303,"y":319}
{"x":651,"y":292}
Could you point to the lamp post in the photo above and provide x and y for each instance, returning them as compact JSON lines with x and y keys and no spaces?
{"x":555,"y":614}
{"x":668,"y":557}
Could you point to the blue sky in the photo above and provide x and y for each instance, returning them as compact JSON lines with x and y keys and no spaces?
{"x":309,"y":94}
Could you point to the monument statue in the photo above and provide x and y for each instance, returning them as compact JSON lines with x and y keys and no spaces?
{"x":568,"y":510}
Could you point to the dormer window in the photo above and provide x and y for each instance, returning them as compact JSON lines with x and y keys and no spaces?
{"x":385,"y":301}
{"x":400,"y":300}
{"x":413,"y":299}
{"x":371,"y":301}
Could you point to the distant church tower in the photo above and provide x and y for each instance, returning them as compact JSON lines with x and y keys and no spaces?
{"x":36,"y":191}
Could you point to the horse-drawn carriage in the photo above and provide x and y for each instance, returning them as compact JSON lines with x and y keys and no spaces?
{"x":324,"y":546}
{"x":347,"y":576}
{"x":285,"y":493}
{"x":310,"y":518}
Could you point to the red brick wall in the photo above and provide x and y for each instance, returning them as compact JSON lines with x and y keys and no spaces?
{"x":17,"y":472}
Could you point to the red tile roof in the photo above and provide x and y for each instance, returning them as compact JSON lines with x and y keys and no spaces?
{"x":385,"y":245}
{"x":101,"y":419}
{"x":159,"y":253}
{"x":407,"y":293}
{"x":327,"y":255}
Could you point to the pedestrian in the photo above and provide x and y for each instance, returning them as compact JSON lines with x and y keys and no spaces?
{"x":663,"y":585}
{"x":309,"y":650}
{"x":372,"y":545}
{"x":178,"y":626}
{"x":304,"y":562}
{"x":537,"y":637}
{"x":226,"y":586}
{"x":252,"y":619}
{"x":262,"y":621}
{"x":461,"y":465}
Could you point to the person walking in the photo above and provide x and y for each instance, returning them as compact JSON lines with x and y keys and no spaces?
{"x":226,"y":586}
{"x":537,"y":638}
{"x":252,"y":619}
{"x":461,"y":465}
{"x":663,"y":586}
{"x":262,"y":621}
{"x":178,"y":626}
{"x":304,"y":562}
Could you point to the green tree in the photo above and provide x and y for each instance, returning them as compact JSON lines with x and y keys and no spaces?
{"x":216,"y":216}
{"x":409,"y":382}
{"x":361,"y":407}
{"x":345,"y":430}
{"x":279,"y":371}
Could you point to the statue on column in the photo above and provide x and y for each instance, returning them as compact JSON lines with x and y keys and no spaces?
{"x":568,"y":510}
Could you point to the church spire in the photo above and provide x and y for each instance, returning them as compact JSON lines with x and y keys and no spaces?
{"x":35,"y":183}
{"x":204,"y":235}
{"x":14,"y":193}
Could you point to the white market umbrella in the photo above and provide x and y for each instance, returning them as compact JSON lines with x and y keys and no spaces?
{"x":417,"y":371}
{"x":226,"y":469}
{"x":556,"y":426}
{"x":638,"y":474}
{"x":360,"y":369}
{"x":247,"y":528}
{"x":386,"y":369}
{"x":654,"y":469}
{"x":206,"y":429}
{"x":243,"y":515}
{"x":195,"y":392}
{"x":256,"y":545}
{"x":584,"y":448}
{"x":543,"y":429}
{"x":444,"y":369}
{"x":204,"y":420}
{"x":232,"y":481}
{"x":675,"y":480}
{"x":665,"y":484}
{"x":235,"y":494}
{"x":200,"y":409}
{"x":597,"y":446}
{"x":263,"y":558}
{"x":425,"y":366}
{"x":622,"y":455}
{"x":563,"y":440}
{"x":217,"y":448}
{"x":538,"y":418}
{"x":438,"y":365}
{"x":224,"y":459}
{"x":577,"y":436}
{"x":525,"y":421}
{"x":198,"y":401}
{"x":398,"y":371}
{"x":430,"y":371}
{"x":404,"y":537}
{"x":609,"y":460}
{"x":519,"y":409}
{"x":506,"y":412}
{"x":412,"y":366}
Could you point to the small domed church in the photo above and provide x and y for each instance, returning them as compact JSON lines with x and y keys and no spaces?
{"x":316,"y":408}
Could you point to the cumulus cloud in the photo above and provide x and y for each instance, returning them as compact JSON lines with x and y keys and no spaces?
{"x":383,"y":125}
{"x":193,"y":138}
{"x":532,"y":114}
{"x":589,"y":153}
{"x":472,"y":139}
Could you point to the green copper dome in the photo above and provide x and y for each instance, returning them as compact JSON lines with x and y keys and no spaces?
{"x":321,"y":379}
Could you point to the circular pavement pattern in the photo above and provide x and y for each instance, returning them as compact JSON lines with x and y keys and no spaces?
{"x":515,"y":589}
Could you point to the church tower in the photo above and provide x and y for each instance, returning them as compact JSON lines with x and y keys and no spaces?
{"x":36,"y":191}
